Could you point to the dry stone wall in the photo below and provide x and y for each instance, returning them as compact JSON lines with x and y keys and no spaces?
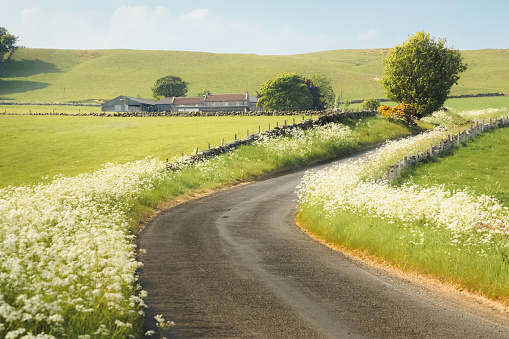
{"x":179,"y":114}
{"x":445,"y":145}
{"x":277,"y":131}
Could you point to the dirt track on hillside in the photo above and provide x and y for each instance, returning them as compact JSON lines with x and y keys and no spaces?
{"x":233,"y":264}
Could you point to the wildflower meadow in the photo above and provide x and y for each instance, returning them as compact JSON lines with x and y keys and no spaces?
{"x":67,"y":259}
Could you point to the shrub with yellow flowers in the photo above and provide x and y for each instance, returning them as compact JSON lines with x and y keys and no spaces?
{"x":405,"y":112}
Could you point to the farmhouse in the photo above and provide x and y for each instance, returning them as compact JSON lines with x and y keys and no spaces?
{"x":180,"y":104}
{"x":208,"y":103}
{"x":128,"y":104}
{"x":205,"y":103}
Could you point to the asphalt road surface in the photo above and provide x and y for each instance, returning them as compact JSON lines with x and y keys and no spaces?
{"x":235,"y":265}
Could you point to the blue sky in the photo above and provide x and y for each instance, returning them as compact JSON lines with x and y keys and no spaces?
{"x":259,"y":27}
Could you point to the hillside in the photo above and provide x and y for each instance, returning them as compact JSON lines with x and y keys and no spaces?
{"x":45,"y":75}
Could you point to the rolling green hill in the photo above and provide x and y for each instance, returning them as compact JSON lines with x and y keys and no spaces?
{"x":48,"y":75}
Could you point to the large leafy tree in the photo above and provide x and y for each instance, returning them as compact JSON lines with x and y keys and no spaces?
{"x":327,"y":95}
{"x":169,"y":86}
{"x":285,"y":92}
{"x":316,"y":95}
{"x":421,"y":72}
{"x":7,"y":41}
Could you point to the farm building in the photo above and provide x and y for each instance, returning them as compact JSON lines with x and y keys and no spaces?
{"x":208,"y":103}
{"x":180,"y":104}
{"x":128,"y":104}
{"x":226,"y":102}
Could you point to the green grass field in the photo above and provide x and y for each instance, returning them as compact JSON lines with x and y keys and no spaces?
{"x":472,"y":104}
{"x":481,"y":165}
{"x":53,"y":109}
{"x":44,"y":75}
{"x":32,"y":147}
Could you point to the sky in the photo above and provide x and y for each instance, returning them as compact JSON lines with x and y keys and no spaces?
{"x":265,"y":27}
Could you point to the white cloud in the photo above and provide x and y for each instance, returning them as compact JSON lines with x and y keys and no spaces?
{"x":201,"y":13}
{"x":158,"y":28}
{"x":142,"y":27}
{"x":370,"y":34}
{"x":29,"y":15}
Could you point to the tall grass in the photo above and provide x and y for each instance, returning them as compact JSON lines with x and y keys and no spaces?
{"x":67,"y":254}
{"x":448,"y":222}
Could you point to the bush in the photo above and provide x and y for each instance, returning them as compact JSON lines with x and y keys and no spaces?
{"x":405,"y":112}
{"x":385,"y":111}
{"x":370,"y":104}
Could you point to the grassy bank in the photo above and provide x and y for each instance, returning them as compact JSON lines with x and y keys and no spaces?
{"x":449,"y":219}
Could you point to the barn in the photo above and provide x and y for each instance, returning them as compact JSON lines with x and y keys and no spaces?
{"x":124,"y":103}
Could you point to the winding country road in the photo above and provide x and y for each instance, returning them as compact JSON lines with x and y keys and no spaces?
{"x":234,"y":265}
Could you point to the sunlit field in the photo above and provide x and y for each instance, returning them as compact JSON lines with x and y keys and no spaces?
{"x":48,"y":109}
{"x":49,"y":75}
{"x":33,"y":147}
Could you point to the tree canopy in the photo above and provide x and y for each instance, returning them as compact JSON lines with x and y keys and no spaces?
{"x":203,"y":92}
{"x":285,"y":92}
{"x":7,"y":41}
{"x":421,"y":72}
{"x":169,"y":86}
{"x":316,"y":95}
{"x":370,"y":104}
{"x":327,"y":95}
